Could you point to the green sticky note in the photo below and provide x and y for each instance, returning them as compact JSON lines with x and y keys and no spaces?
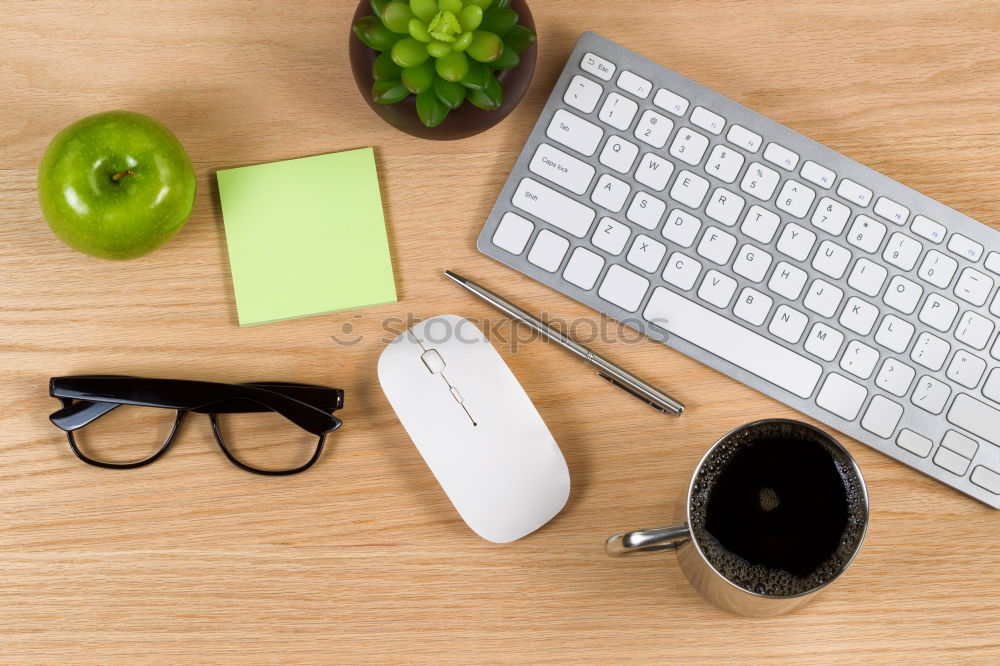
{"x":306,"y":236}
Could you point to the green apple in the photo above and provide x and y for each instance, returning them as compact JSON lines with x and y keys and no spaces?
{"x":116,"y":185}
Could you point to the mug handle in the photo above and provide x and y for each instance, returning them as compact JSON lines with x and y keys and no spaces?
{"x":652,"y":540}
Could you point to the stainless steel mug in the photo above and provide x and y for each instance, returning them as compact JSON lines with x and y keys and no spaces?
{"x":705,"y":577}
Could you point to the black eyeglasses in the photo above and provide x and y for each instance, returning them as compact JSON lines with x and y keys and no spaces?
{"x":262,"y":427}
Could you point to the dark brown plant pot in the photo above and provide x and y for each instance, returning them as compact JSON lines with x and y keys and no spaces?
{"x":462,"y":122}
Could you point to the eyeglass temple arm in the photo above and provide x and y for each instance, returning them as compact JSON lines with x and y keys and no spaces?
{"x":75,"y":416}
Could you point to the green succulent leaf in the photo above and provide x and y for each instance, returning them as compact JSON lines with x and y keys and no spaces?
{"x":519,"y":38}
{"x":420,"y":78}
{"x":508,"y":59}
{"x":396,"y":16}
{"x":452,"y":67}
{"x":389,"y":92}
{"x":485,"y":46}
{"x":418,"y":30}
{"x":502,"y":4}
{"x":384,"y":69}
{"x":373,"y":34}
{"x":378,"y":6}
{"x":444,"y":26}
{"x":453,"y":6}
{"x":470,"y":17}
{"x":430,"y":109}
{"x":482,"y":4}
{"x":462,"y":42}
{"x":498,"y":20}
{"x":450,"y":94}
{"x":424,"y":9}
{"x":477,"y":77}
{"x":438,"y":49}
{"x":408,"y":52}
{"x":489,"y":98}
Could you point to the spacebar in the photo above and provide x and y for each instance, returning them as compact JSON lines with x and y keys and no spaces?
{"x":732,"y":342}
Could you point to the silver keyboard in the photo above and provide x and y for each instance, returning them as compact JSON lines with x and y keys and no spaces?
{"x":765,"y":255}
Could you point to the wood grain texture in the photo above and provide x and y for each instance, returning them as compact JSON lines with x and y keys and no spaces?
{"x":362,"y":559}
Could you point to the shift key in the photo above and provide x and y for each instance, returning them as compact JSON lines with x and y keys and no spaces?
{"x":553,"y":207}
{"x":977,"y":417}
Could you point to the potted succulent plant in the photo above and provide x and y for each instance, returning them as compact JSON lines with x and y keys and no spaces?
{"x":443,"y":69}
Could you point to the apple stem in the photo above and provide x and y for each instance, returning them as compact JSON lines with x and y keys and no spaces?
{"x":121,"y":174}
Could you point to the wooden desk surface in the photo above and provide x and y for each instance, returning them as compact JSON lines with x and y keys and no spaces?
{"x":362,"y":559}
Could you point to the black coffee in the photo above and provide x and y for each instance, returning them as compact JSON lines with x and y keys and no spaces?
{"x":777,"y":509}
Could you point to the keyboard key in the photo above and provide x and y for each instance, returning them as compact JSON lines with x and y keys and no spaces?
{"x":610,"y":193}
{"x":991,"y":389}
{"x":824,"y":341}
{"x":778,"y":154}
{"x":856,"y":194}
{"x":930,"y":395}
{"x":574,"y":132}
{"x":938,"y":312}
{"x":565,"y":170}
{"x":974,"y":330}
{"x":992,"y":262}
{"x":930,"y":351}
{"x":927,"y":228}
{"x":818,"y":175}
{"x":598,"y":66}
{"x":760,"y":224}
{"x":611,"y":235}
{"x":831,"y":259}
{"x":788,"y":324}
{"x":895,"y":377}
{"x":980,"y":419}
{"x":882,"y":417}
{"x":670,"y":102}
{"x":646,"y":210}
{"x":986,"y":478}
{"x":951,"y":461}
{"x":974,"y":287}
{"x":553,"y":207}
{"x":892,"y":211}
{"x":725,"y":206}
{"x":903,"y":294}
{"x":744,"y":138}
{"x":867,"y":277}
{"x":654,"y":129}
{"x":654,"y":171}
{"x":717,"y":289}
{"x":841,"y":396}
{"x":681,"y":271}
{"x":831,"y":216}
{"x":752,"y":306}
{"x":894,"y":333}
{"x":620,"y":155}
{"x":866,"y":233}
{"x":938,"y":269}
{"x":795,"y":198}
{"x":717,"y":245}
{"x":512,"y":233}
{"x":859,"y":359}
{"x":583,"y":94}
{"x":759,"y":181}
{"x":966,"y":369}
{"x":689,"y":146}
{"x":752,"y":263}
{"x":859,"y":316}
{"x":707,"y":120}
{"x":787,"y":280}
{"x":623,"y":288}
{"x":823,"y":298}
{"x":618,"y":111}
{"x":732,"y":342}
{"x":681,"y":228}
{"x":960,"y":444}
{"x":689,"y":189}
{"x":548,"y":251}
{"x":724,"y":163}
{"x":902,"y":251}
{"x":914,"y":443}
{"x":965,"y":247}
{"x":646,"y":253}
{"x":796,"y":241}
{"x":583,"y":268}
{"x":634,"y":84}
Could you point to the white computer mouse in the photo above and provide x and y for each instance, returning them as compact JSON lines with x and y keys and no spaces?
{"x":475,"y":427}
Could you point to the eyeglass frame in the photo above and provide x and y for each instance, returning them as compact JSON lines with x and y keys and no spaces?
{"x":86,"y":398}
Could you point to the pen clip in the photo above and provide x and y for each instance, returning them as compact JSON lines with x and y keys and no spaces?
{"x":633,"y":393}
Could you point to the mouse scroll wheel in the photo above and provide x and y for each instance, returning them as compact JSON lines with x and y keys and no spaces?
{"x":433,"y":361}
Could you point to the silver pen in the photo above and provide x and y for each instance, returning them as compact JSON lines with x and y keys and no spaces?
{"x":626,"y":381}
